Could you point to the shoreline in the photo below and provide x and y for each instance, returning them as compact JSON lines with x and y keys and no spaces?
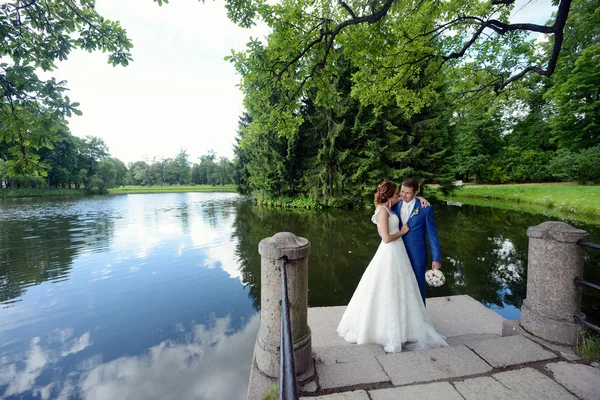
{"x":19,"y":193}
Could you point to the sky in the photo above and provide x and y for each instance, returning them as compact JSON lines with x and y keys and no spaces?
{"x":178,"y":93}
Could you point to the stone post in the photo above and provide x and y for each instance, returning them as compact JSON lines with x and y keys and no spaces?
{"x":272,"y":251}
{"x":554,"y":261}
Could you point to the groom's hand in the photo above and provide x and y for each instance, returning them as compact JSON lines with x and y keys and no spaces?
{"x":436,"y":265}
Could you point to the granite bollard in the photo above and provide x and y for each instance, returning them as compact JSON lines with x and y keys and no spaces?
{"x":273,"y":250}
{"x":553,"y":299}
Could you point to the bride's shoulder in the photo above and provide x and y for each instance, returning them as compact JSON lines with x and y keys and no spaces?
{"x":379,"y":208}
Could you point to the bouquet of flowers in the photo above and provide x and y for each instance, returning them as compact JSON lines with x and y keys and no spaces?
{"x":435,"y":277}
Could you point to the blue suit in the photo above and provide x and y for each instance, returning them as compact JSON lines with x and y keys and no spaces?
{"x":421,"y":224}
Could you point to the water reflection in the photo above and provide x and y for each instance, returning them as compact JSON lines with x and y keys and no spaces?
{"x":135,"y":295}
{"x":204,"y":362}
{"x":149,"y":286}
{"x":39,"y":241}
{"x":484,"y":252}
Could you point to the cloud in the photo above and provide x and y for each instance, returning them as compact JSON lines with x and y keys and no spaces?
{"x":20,"y":381}
{"x":77,"y":345}
{"x":210,"y":362}
{"x":177,"y":93}
{"x":214,"y":364}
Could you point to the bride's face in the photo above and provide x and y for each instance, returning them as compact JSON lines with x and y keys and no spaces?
{"x":395,"y":198}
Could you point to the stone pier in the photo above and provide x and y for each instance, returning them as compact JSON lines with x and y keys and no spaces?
{"x":273,"y":251}
{"x":553,"y":299}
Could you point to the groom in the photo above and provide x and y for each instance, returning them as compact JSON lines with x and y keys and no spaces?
{"x":420,"y":223}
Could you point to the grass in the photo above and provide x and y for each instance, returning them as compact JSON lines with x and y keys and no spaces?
{"x":559,"y":199}
{"x":589,"y":349}
{"x":272,"y":393}
{"x":28,"y":192}
{"x":171,"y":189}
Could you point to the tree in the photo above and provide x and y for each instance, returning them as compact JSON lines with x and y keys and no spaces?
{"x":120,"y":172}
{"x":141,"y":173}
{"x":61,"y":159}
{"x":161,"y":169}
{"x":478,"y":139}
{"x":392,"y":42}
{"x":181,"y":168}
{"x":35,"y":34}
{"x":205,"y":171}
{"x":104,"y":177}
{"x":574,"y":97}
{"x":240,"y":160}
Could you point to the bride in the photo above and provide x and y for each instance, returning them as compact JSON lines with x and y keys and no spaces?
{"x":386,"y":307}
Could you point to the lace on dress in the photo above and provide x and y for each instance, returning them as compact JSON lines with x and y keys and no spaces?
{"x":374,"y":217}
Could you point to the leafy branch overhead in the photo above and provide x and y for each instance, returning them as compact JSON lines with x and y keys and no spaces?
{"x":398,"y":48}
{"x":36,"y":34}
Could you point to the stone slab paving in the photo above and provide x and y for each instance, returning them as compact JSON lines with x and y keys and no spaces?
{"x":310,"y":387}
{"x":431,"y":391}
{"x":341,"y":354}
{"x":582,"y":380}
{"x":475,"y":337}
{"x":463,"y":315}
{"x":259,"y":383}
{"x":355,"y":395}
{"x":451,"y":316}
{"x":339,"y":375}
{"x":323,"y":322}
{"x":510,"y":350}
{"x":430,"y":365}
{"x":522,"y":384}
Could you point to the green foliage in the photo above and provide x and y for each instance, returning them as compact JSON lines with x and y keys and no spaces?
{"x":582,"y":167}
{"x":577,"y":124}
{"x":399,"y":52}
{"x":171,"y":189}
{"x":35,"y":35}
{"x":305,"y":202}
{"x":265,"y":199}
{"x":41,"y":192}
{"x":589,"y":348}
{"x":569,"y":198}
{"x":573,"y":98}
{"x":272,"y":393}
{"x":72,"y":162}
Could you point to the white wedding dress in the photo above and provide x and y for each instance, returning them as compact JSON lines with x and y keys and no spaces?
{"x":386,"y":307}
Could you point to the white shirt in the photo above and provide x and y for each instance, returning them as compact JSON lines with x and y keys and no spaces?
{"x":406,"y":209}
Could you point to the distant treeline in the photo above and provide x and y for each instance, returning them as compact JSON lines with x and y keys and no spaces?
{"x":76,"y":163}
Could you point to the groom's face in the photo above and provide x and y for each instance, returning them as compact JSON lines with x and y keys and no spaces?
{"x":407,"y":194}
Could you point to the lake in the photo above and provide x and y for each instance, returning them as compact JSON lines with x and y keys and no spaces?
{"x":156,"y":296}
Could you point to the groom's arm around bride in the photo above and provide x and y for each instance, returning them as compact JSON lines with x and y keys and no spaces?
{"x":421,"y":225}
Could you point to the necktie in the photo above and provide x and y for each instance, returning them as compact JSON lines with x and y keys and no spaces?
{"x":404,"y":213}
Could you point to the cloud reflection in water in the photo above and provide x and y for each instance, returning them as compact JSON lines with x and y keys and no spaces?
{"x":210,"y":362}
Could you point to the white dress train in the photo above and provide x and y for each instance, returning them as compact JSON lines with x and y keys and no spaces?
{"x":386,"y":307}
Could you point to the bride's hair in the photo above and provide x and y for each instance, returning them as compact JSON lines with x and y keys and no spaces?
{"x":385,"y":191}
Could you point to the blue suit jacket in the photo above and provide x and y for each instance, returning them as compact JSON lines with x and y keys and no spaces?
{"x":421,"y":223}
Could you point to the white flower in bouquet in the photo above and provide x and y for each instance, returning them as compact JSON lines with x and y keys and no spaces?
{"x":435,"y":277}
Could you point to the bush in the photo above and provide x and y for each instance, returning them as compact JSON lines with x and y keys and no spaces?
{"x":306,"y":202}
{"x":447,"y":185}
{"x":28,"y":181}
{"x":582,"y":167}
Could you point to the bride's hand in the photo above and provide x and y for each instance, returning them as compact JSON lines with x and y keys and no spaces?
{"x":404,"y":230}
{"x":424,"y":203}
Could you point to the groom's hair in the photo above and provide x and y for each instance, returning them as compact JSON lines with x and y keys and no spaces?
{"x":411,"y":183}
